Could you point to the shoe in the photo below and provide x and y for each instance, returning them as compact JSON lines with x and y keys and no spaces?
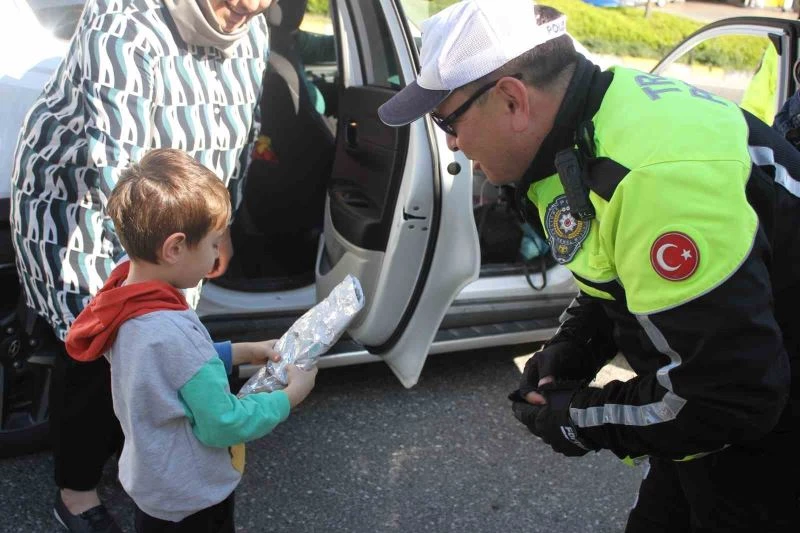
{"x":94,"y":520}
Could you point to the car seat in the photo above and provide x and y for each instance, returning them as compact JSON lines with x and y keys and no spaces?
{"x":276,"y":228}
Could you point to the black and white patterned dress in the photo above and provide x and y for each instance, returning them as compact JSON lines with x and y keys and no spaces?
{"x":129,"y":83}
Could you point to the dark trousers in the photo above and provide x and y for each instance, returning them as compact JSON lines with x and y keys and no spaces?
{"x":739,"y":489}
{"x":215,"y":519}
{"x":84,"y":431}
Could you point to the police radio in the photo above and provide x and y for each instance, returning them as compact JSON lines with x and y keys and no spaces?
{"x":570,"y":171}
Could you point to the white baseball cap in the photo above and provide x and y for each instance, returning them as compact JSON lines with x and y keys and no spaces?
{"x":463,"y":43}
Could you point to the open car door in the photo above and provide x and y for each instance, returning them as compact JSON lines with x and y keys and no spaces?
{"x":395,"y":218}
{"x":760,"y":80}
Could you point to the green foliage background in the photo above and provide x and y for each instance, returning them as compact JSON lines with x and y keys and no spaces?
{"x":318,"y":7}
{"x":622,"y":31}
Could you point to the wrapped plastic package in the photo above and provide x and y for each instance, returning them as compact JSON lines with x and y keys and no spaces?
{"x":310,"y":336}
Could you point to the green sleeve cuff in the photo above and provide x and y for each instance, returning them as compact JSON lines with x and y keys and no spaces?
{"x":219,"y":418}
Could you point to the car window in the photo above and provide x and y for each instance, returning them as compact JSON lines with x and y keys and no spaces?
{"x":418,"y":10}
{"x":315,"y":39}
{"x":710,"y":66}
{"x":316,"y":44}
{"x":377,"y":51}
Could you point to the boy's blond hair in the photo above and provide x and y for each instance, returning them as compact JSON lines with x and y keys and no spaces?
{"x":166,"y":192}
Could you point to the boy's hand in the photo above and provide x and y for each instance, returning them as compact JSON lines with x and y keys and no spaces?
{"x":264,"y":352}
{"x":300,"y":383}
{"x":256,"y":353}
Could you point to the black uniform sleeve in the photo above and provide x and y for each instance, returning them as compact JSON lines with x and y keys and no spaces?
{"x":586,"y":334}
{"x":724,"y":378}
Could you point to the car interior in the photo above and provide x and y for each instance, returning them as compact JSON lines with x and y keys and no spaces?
{"x":277,"y":226}
{"x":297,"y":162}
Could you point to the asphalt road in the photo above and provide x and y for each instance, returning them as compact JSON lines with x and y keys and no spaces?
{"x":363,"y":454}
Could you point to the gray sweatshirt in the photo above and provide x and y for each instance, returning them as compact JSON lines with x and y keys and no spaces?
{"x":171,"y":395}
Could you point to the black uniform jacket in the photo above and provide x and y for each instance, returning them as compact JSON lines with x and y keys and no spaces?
{"x":714,"y":370}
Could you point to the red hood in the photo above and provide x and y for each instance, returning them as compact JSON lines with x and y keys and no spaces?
{"x":95,"y":328}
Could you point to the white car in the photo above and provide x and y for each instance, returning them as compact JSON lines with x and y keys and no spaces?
{"x":393,"y":207}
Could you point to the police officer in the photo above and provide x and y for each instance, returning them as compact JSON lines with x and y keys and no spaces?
{"x":677,"y":213}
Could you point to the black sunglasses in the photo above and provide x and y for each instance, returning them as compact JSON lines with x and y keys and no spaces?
{"x":446,"y":123}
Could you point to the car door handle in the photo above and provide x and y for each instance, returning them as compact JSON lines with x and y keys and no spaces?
{"x":351,"y":134}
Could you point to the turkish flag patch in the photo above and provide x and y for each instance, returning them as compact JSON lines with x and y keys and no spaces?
{"x":674,"y":256}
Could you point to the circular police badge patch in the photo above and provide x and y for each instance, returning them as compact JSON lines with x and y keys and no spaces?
{"x":674,"y":256}
{"x":566,"y":232}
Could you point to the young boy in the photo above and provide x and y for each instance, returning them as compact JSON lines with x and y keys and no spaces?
{"x":182,"y":456}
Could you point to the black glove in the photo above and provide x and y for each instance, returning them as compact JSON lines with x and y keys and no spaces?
{"x":562,"y":360}
{"x":551,"y":422}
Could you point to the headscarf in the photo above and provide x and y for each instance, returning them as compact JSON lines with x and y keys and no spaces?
{"x":198,"y":25}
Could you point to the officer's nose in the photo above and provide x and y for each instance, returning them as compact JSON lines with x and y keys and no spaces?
{"x":452,"y":142}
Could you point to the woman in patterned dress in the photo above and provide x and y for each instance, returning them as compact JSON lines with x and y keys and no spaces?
{"x":139,"y":74}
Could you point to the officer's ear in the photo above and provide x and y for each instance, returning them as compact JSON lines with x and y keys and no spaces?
{"x":514,"y":95}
